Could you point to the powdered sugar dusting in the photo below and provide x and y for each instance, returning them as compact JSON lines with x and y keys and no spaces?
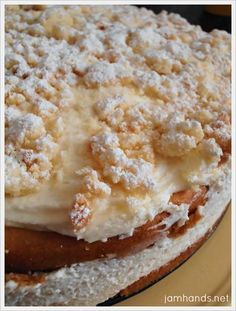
{"x":152,"y":86}
{"x":132,"y":173}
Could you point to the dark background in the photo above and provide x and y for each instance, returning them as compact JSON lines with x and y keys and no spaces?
{"x":196,"y":14}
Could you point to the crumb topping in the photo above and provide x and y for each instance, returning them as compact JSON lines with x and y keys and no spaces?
{"x":132,"y":173}
{"x":171,"y":99}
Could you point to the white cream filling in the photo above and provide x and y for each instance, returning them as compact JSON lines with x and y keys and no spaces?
{"x":117,"y":214}
{"x":49,"y":209}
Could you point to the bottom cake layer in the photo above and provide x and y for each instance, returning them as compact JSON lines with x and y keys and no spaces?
{"x":158,"y":274}
{"x":93,"y":282}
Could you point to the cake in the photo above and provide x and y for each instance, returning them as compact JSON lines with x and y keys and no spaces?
{"x":118,"y":143}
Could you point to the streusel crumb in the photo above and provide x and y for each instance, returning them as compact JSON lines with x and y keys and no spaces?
{"x":139,"y":88}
